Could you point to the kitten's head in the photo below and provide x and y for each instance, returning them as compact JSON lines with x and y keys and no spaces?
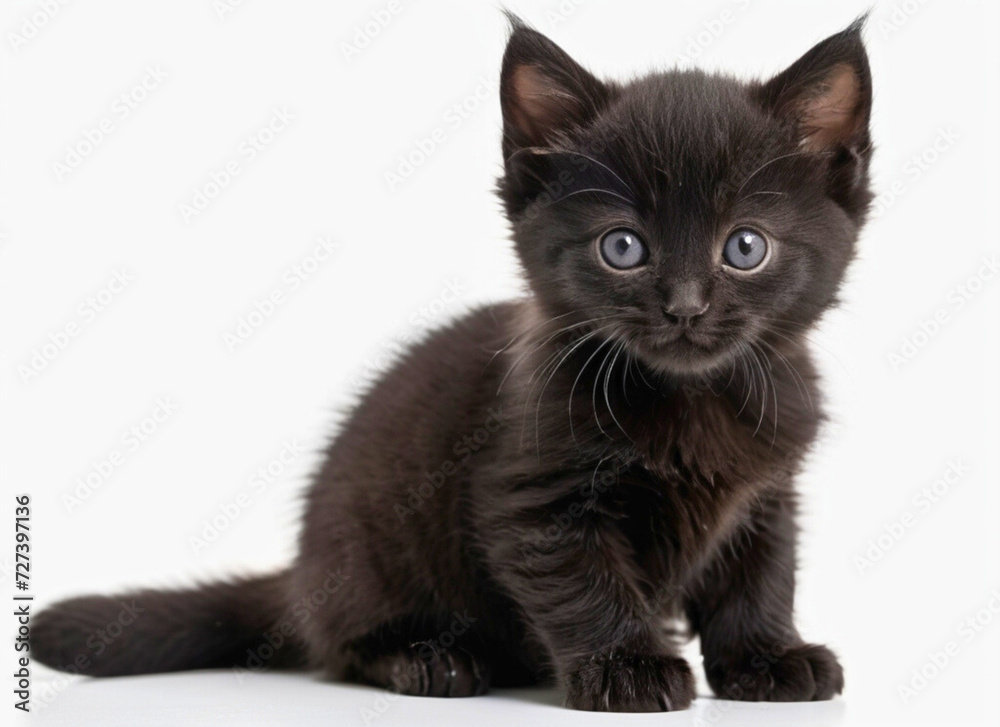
{"x":689,"y":214}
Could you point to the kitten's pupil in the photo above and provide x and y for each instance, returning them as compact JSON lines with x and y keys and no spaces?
{"x":623,"y":244}
{"x":746,"y":244}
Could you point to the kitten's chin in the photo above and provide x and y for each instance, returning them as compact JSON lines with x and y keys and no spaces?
{"x":684,"y":358}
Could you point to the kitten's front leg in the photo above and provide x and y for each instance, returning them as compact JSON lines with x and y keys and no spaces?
{"x":742,"y":609}
{"x":571,"y":571}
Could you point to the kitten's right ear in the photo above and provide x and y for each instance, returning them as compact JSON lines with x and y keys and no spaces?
{"x":825,"y":97}
{"x":542,"y":90}
{"x":827,"y":94}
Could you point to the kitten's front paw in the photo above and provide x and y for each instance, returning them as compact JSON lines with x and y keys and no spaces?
{"x":803,"y":673}
{"x":611,"y":683}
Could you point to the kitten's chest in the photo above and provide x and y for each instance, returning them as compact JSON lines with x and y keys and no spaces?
{"x":677,"y":523}
{"x":689,"y":463}
{"x":696,"y":478}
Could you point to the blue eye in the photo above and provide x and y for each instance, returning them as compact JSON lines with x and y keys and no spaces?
{"x":744,"y":250}
{"x":623,"y":249}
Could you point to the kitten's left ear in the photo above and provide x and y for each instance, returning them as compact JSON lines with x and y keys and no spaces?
{"x":826,"y":95}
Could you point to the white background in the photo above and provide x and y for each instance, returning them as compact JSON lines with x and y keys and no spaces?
{"x":894,"y":428}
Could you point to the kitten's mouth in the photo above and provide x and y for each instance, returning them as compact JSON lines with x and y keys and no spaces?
{"x":682,"y":351}
{"x":681,"y":340}
{"x":684,"y":336}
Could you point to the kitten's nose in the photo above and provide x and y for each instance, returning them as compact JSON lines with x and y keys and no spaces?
{"x":686,"y":302}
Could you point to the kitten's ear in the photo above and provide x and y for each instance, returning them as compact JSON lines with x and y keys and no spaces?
{"x":827,"y":94}
{"x":542,"y":90}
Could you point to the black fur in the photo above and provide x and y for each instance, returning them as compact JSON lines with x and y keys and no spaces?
{"x":532,"y":491}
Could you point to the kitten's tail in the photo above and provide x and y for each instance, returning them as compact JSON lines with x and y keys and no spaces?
{"x":228,"y":624}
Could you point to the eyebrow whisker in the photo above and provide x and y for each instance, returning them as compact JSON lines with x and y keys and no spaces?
{"x":594,"y":189}
{"x":591,"y":159}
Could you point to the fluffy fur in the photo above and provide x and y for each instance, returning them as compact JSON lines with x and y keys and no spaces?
{"x":533,"y":492}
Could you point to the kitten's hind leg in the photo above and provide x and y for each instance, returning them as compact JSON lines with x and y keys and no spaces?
{"x":416,"y":661}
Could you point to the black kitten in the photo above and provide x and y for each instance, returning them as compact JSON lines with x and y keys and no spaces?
{"x":531,"y":492}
